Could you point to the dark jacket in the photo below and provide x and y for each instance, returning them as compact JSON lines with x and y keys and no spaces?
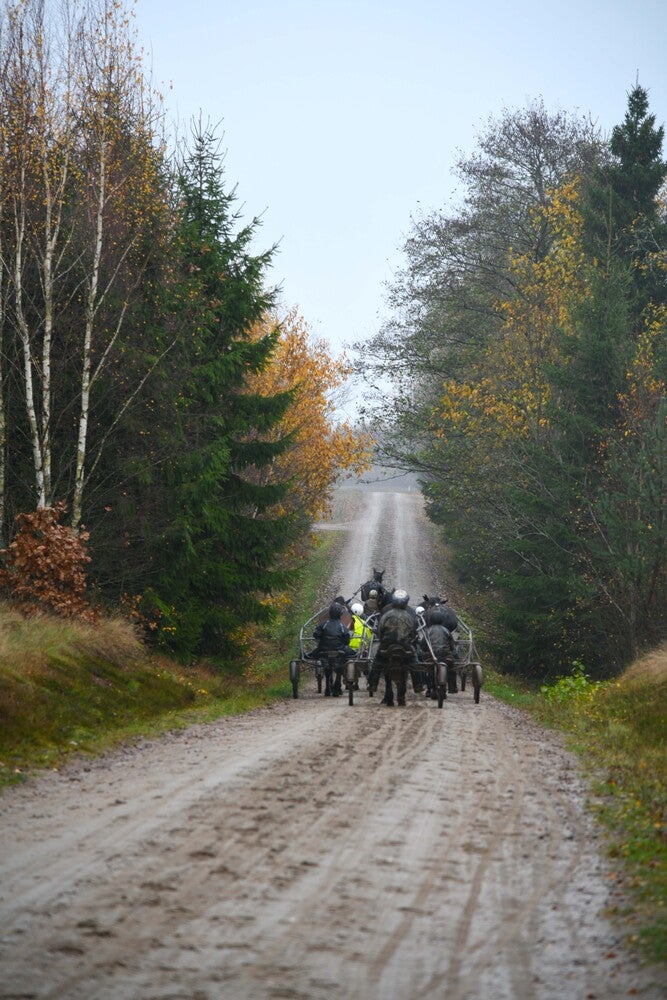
{"x":331,"y":635}
{"x":397,"y":621}
{"x":441,"y":641}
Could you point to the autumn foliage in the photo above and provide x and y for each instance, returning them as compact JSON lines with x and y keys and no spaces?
{"x":322,"y":448}
{"x":508,"y":392}
{"x":45,"y":565}
{"x":529,"y":349}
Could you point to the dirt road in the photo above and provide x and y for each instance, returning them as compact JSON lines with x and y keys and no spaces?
{"x":314,"y":850}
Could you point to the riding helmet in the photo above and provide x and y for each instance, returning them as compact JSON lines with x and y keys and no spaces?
{"x":400,"y":598}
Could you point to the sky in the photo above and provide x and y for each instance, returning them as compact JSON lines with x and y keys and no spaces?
{"x":343,"y":119}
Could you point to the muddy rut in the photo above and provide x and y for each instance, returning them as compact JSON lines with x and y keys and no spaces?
{"x":316,"y":850}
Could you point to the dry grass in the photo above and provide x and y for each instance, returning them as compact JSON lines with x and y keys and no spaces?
{"x":651,"y":667}
{"x":29,"y":643}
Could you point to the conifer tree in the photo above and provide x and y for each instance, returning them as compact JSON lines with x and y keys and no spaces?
{"x":218,"y":548}
{"x":622,"y":209}
{"x":545,"y":455}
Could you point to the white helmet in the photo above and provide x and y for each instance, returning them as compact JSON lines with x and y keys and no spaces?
{"x":357,"y":609}
{"x":419,"y":610}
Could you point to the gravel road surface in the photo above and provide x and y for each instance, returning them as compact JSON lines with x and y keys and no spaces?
{"x":314,"y":850}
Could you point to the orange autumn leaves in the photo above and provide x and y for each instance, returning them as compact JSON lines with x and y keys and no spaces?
{"x":323,"y":448}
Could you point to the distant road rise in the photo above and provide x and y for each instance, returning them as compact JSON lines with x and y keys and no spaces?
{"x":380,"y":479}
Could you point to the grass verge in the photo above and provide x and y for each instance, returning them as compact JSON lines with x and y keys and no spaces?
{"x":618,"y":729}
{"x":68,"y":687}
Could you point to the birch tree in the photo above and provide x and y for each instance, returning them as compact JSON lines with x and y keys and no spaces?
{"x":119,"y":188}
{"x":83,"y":204}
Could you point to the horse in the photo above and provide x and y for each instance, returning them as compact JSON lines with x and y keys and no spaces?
{"x":395,"y":663}
{"x":436,"y":612}
{"x":374,"y":584}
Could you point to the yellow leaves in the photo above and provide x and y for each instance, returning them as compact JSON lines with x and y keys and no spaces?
{"x":507,"y":392}
{"x":644,"y":389}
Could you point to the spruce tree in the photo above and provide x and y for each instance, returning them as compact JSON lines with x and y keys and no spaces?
{"x":638,"y":171}
{"x":621,"y":208}
{"x":218,"y":550}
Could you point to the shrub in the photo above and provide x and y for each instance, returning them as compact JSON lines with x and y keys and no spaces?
{"x":576,"y":685}
{"x":45,"y":565}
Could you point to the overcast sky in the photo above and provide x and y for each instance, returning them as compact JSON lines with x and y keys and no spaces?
{"x":343,"y":118}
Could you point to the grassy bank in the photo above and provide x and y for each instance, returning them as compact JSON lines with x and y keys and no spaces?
{"x":618,"y":728}
{"x":70,"y":687}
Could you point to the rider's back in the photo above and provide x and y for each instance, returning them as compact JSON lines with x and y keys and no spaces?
{"x":397,"y":628}
{"x":441,"y":641}
{"x":332,"y":635}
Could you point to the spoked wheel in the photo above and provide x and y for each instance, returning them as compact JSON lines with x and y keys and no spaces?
{"x":477,"y":679}
{"x":294,"y":677}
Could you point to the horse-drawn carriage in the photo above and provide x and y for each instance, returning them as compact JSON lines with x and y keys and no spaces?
{"x":460,"y":659}
{"x":466,"y":660}
{"x":442,"y":671}
{"x":349,"y":666}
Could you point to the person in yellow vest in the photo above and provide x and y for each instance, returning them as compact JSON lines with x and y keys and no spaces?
{"x":361,"y":634}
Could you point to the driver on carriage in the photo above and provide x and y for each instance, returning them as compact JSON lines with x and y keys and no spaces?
{"x":361,"y":633}
{"x":332,"y":636}
{"x":397,"y":627}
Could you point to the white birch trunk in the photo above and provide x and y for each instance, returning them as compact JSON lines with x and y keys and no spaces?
{"x":46,"y":347}
{"x":91,"y":308}
{"x":24,"y":333}
{"x":55,"y":116}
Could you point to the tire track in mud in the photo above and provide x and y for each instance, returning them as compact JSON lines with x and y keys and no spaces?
{"x":472,"y":953}
{"x":317,"y":850}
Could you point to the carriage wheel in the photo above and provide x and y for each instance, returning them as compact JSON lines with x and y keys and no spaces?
{"x":294,"y":677}
{"x":477,"y":678}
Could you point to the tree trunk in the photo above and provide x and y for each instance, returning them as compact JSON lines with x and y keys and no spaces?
{"x":91,"y":308}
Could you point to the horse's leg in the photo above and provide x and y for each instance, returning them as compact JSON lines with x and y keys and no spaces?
{"x":401,"y":688}
{"x":327,"y":678}
{"x":337,"y":684}
{"x":389,"y":692}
